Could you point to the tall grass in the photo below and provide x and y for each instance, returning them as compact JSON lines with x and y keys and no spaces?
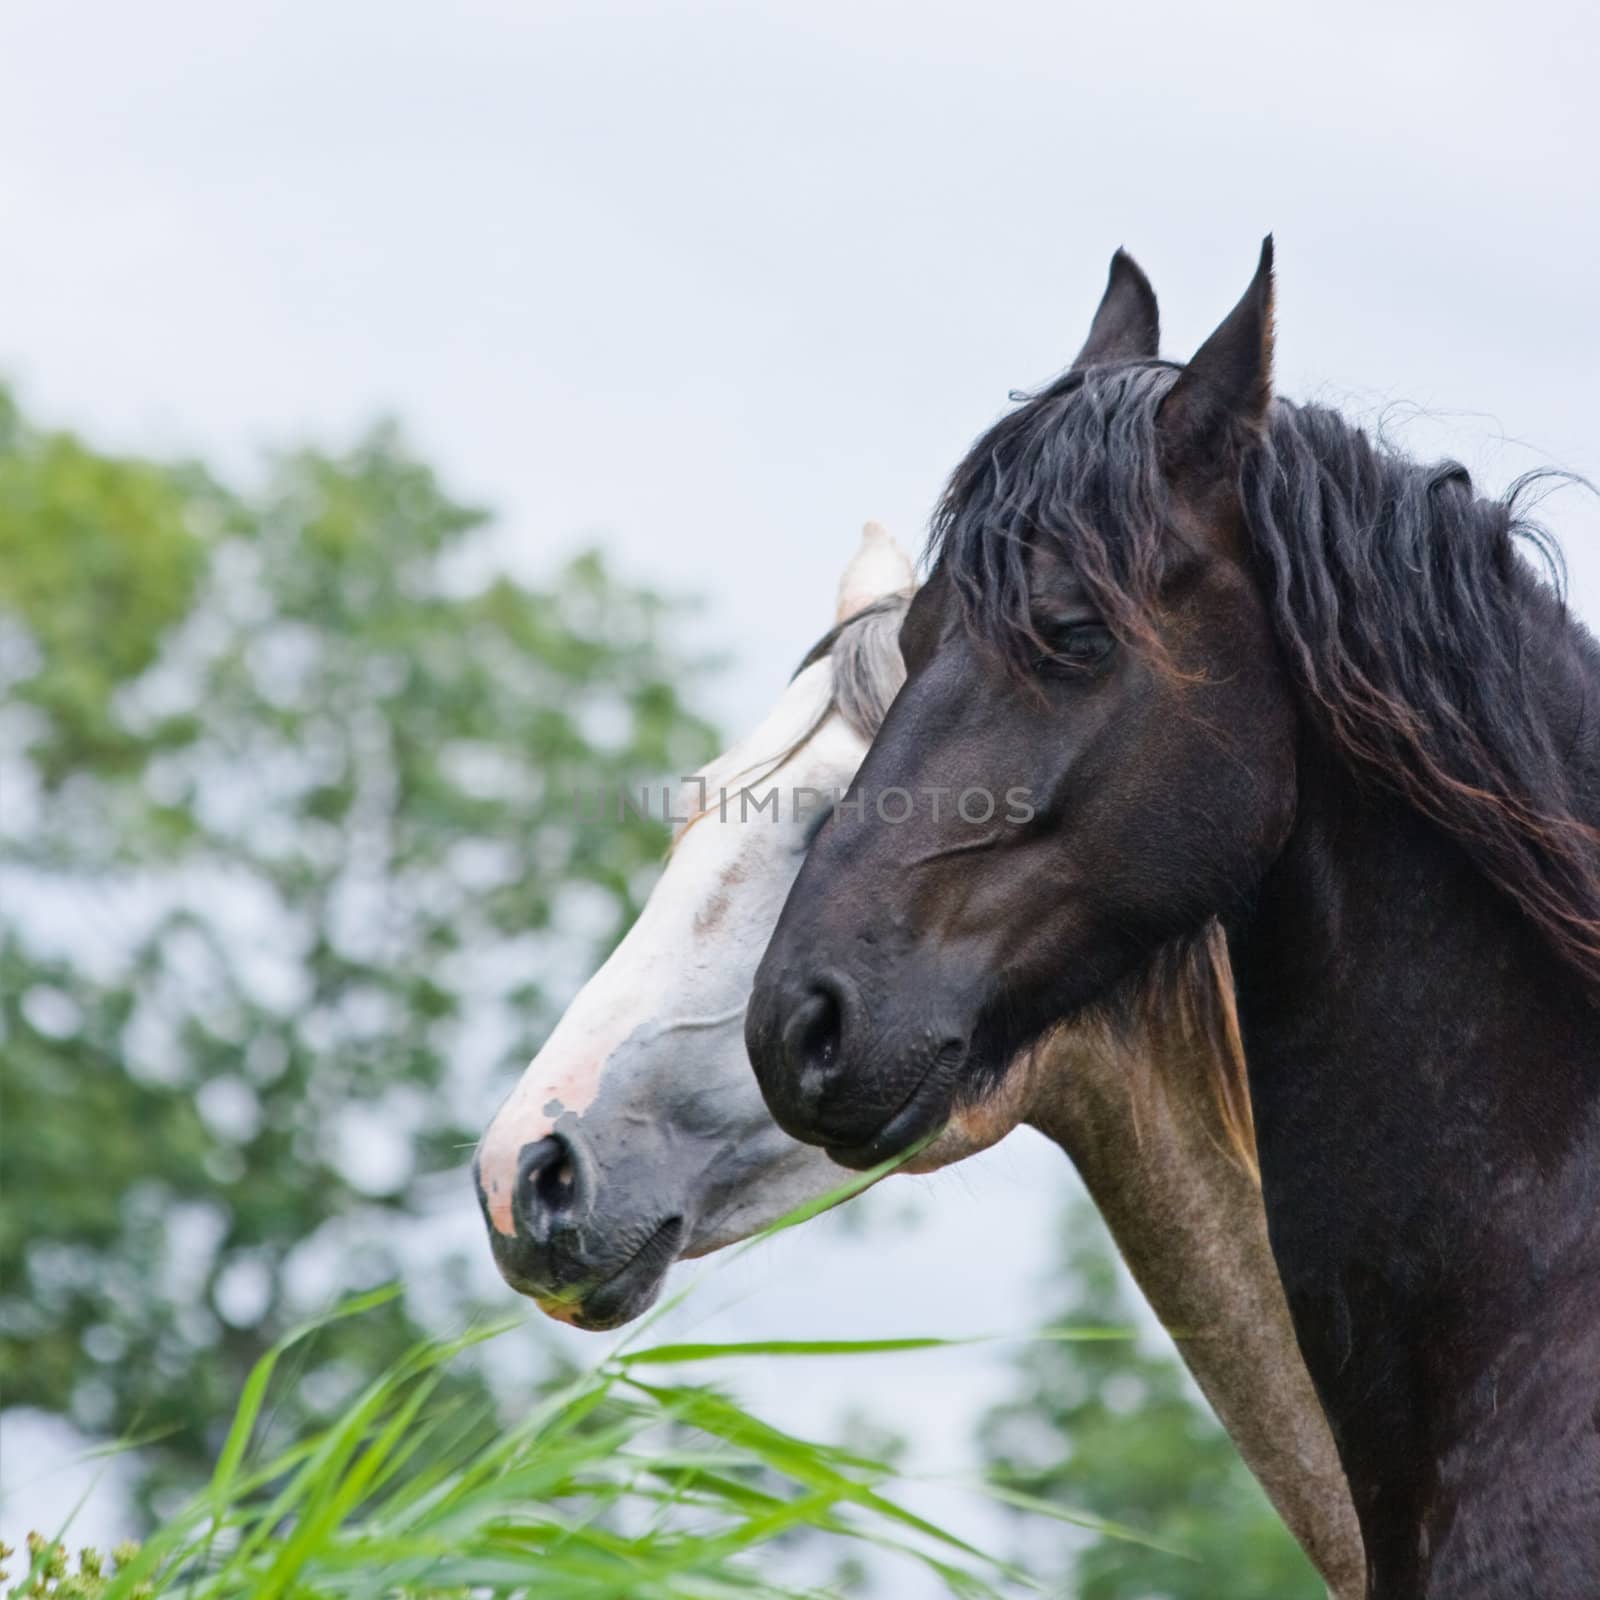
{"x":626,"y":1483}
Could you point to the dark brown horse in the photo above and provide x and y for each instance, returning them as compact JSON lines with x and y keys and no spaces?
{"x":1225,"y":656}
{"x":638,"y":1135}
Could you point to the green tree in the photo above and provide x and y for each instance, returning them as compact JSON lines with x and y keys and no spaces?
{"x":1120,"y":1431}
{"x":289,"y":871}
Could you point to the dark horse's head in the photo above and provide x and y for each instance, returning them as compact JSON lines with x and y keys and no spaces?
{"x":1093,"y":753}
{"x":1164,"y":609}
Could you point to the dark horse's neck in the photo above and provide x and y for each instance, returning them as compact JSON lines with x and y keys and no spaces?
{"x":1425,"y":1072}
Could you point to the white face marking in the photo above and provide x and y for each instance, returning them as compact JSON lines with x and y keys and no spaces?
{"x":647,"y":1069}
{"x":692,"y":954}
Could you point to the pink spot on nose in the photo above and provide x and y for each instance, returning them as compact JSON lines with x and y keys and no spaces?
{"x":497,"y":1197}
{"x":529,"y":1115}
{"x":497,"y":1203}
{"x":508,"y":1134}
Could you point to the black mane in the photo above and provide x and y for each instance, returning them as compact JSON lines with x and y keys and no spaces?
{"x":1427,"y":650}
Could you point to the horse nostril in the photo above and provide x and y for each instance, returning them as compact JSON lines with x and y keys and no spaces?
{"x":813,"y":1037}
{"x":547,"y":1184}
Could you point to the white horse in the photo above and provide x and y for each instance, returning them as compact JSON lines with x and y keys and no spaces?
{"x":638,"y":1136}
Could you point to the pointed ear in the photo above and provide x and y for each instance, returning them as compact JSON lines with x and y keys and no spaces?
{"x":1230,"y":378}
{"x":1127,"y":326}
{"x":877,"y":570}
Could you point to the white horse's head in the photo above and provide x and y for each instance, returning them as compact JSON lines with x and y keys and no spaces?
{"x":638,"y":1134}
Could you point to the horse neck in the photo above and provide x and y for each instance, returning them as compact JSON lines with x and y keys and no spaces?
{"x":1425,"y":1079}
{"x":1138,"y":1117}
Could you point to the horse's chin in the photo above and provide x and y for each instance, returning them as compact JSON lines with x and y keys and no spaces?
{"x":966,"y":1133}
{"x":608,"y":1306}
{"x":627,"y":1293}
{"x":976,"y":1127}
{"x":919,"y":1119}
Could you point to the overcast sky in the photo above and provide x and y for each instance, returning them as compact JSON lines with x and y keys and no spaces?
{"x":714,"y":283}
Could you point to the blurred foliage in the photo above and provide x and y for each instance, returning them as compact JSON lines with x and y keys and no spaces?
{"x":1120,"y":1431}
{"x":286,"y":782}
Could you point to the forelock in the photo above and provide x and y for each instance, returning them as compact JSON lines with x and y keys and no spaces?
{"x":863,"y":653}
{"x":1077,"y":467}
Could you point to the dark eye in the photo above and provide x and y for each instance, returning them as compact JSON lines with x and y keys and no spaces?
{"x":1073,"y":644}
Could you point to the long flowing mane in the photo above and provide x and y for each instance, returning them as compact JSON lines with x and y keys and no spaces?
{"x":1432,"y":656}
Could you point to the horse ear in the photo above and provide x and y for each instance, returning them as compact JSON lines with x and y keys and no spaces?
{"x":877,"y":570}
{"x":1230,"y":377}
{"x":1127,"y":327}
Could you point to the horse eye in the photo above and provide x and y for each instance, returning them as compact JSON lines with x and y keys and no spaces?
{"x":1074,"y":645}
